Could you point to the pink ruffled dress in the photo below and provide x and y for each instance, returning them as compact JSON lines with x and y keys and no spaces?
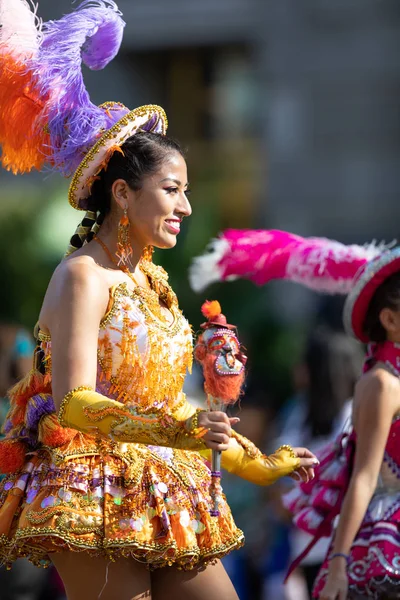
{"x":374,"y":564}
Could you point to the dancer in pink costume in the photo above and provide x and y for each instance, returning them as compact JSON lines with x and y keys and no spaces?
{"x":355,"y":496}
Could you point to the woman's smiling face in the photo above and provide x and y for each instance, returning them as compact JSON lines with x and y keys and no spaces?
{"x":156,"y":210}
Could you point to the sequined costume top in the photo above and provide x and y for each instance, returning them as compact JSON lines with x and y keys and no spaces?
{"x":71,"y":490}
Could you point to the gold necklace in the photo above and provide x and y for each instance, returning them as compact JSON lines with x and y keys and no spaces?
{"x":157,"y":289}
{"x":122,"y":268}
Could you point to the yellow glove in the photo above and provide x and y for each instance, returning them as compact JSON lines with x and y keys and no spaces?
{"x":87,"y":411}
{"x":244,"y":459}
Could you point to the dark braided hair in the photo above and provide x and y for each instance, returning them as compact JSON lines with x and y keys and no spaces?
{"x":386,"y":296}
{"x":143,"y":153}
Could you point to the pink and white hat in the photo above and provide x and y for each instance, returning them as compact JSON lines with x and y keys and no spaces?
{"x":320,"y":264}
{"x":361,"y":294}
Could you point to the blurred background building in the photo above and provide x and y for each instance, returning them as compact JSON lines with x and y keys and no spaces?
{"x":290,"y":113}
{"x":314,"y":84}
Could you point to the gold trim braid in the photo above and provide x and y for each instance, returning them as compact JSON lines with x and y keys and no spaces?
{"x":288,"y":449}
{"x":66,"y":400}
{"x":88,"y":411}
{"x":113,"y":133}
{"x":192,"y":425}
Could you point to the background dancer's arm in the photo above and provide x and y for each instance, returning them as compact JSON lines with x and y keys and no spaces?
{"x":76,"y":301}
{"x":375,"y":404}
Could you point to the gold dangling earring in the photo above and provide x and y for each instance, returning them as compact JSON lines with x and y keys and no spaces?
{"x":147,"y":255}
{"x":124,"y":241}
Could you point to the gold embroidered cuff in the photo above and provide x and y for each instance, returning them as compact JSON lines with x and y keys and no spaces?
{"x":289,"y":449}
{"x":191,"y":425}
{"x":66,"y":400}
{"x":244,"y":459}
{"x":248,"y":446}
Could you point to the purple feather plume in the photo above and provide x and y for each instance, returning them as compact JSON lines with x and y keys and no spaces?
{"x":92,"y":34}
{"x":8,"y":426}
{"x":28,"y":436}
{"x":37,"y":407}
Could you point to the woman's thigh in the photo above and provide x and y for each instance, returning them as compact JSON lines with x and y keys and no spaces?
{"x":96,"y":578}
{"x":212,"y":583}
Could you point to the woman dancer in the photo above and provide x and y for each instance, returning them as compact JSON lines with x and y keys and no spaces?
{"x":359,"y":474}
{"x":104,"y":476}
{"x":363,"y":558}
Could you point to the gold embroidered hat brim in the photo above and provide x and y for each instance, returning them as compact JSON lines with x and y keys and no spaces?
{"x":92,"y":163}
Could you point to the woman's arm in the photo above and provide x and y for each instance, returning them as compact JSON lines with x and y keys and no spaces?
{"x":76,"y":301}
{"x":376,"y":401}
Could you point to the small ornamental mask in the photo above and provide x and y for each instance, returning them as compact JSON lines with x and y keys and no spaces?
{"x":218,"y":351}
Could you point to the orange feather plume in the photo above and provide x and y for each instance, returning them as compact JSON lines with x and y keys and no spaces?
{"x":12,"y":455}
{"x":23,"y":135}
{"x":31,"y":384}
{"x":17,"y":415}
{"x":211,"y":309}
{"x":51,"y":434}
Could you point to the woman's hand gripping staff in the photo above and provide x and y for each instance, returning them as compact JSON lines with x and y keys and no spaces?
{"x":218,"y":351}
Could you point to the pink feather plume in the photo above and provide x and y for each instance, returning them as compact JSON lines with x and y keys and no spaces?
{"x":263,"y":255}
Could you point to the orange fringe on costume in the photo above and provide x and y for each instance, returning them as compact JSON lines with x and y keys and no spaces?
{"x":50,"y":432}
{"x":23,"y":135}
{"x":31,"y":384}
{"x":12,"y":455}
{"x":17,"y":415}
{"x":12,"y":452}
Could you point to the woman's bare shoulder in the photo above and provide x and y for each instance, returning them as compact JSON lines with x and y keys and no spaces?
{"x":80,"y":271}
{"x":378,"y":379}
{"x":378,"y":389}
{"x":76,"y":280}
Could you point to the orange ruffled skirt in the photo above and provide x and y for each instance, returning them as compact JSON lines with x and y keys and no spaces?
{"x":111,"y":499}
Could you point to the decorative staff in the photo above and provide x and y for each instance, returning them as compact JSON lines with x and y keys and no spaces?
{"x":219,"y":352}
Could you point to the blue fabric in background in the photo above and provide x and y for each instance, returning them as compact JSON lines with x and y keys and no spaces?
{"x":24,"y":346}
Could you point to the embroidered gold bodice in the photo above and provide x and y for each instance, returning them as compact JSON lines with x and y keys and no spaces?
{"x":143,"y":356}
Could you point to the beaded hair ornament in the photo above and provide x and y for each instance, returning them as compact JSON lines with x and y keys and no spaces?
{"x":47,"y":115}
